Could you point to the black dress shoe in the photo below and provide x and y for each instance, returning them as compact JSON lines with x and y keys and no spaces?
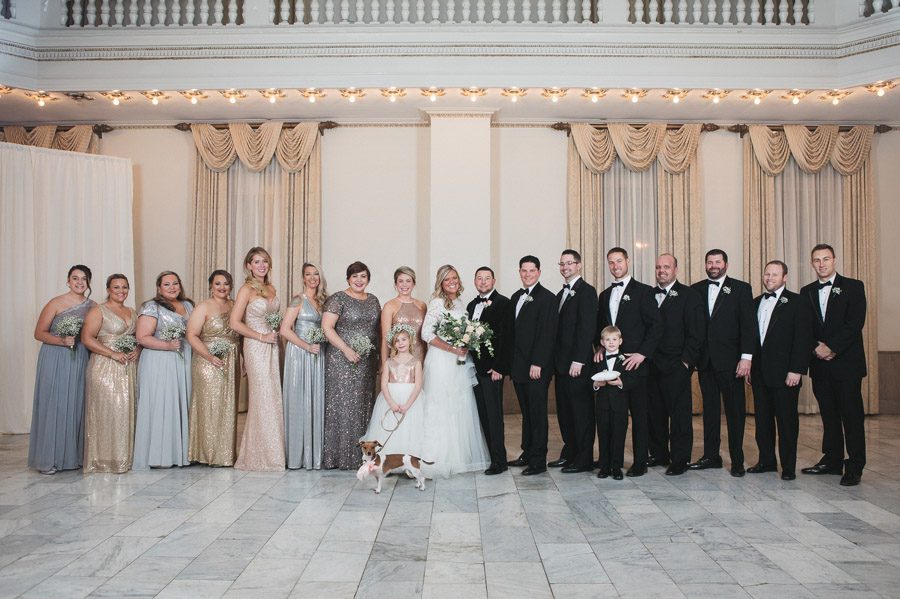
{"x":652,"y":461}
{"x":604,"y":473}
{"x":617,"y":474}
{"x":636,"y":470}
{"x":558,"y":463}
{"x":518,"y":462}
{"x":761,"y":468}
{"x":596,"y":464}
{"x":705,"y":463}
{"x":531,"y":471}
{"x":786,"y":475}
{"x":821,"y":468}
{"x":495,"y":469}
{"x":676,"y":469}
{"x":738,"y":471}
{"x":571,"y":469}
{"x":850,"y":479}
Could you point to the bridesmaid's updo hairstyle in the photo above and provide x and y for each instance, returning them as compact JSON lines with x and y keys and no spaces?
{"x":223,"y":273}
{"x":115,"y":277}
{"x":322,"y":291}
{"x":442,"y":274}
{"x":248,"y":276}
{"x":160,"y":300}
{"x":405,"y":270}
{"x":358,"y":267}
{"x":87,"y":273}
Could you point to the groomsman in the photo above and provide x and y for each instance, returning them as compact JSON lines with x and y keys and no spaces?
{"x":725,"y":359}
{"x":532,"y":317}
{"x":684,"y":327}
{"x":782,"y":354}
{"x":630,"y":306}
{"x":573,"y":355}
{"x":838,"y":366}
{"x":490,"y":307}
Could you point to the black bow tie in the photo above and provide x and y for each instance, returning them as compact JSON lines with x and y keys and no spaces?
{"x":481,"y":300}
{"x":768,"y":295}
{"x":612,"y":356}
{"x":659,"y":291}
{"x":525,"y":290}
{"x":618,"y":284}
{"x":716,"y":283}
{"x":823,"y":285}
{"x":567,"y":286}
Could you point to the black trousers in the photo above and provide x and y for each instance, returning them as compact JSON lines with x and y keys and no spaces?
{"x":575,"y":413}
{"x":843,"y":421}
{"x":532,"y":396}
{"x":718,"y":388}
{"x":489,"y":400}
{"x":612,"y":424}
{"x":776,"y":405}
{"x":671,"y":431}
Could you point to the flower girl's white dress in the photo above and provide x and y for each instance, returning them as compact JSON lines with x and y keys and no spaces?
{"x":408,"y":436}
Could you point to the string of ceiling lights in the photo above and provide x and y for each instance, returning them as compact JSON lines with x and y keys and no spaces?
{"x":514,"y":94}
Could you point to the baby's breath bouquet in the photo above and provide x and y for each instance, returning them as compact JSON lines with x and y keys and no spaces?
{"x":459,"y":331}
{"x":125,"y":344}
{"x":219,"y":348}
{"x":174,"y":331}
{"x":68,"y":326}
{"x":362,"y":345}
{"x":314,"y":336}
{"x":273,"y":319}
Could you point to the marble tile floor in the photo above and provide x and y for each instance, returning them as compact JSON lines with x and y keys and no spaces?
{"x":208,"y":532}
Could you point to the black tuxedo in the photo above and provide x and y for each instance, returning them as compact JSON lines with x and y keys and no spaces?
{"x":729,"y":335}
{"x":530,"y":342}
{"x":684,"y":327}
{"x":641,"y":324}
{"x":574,"y":343}
{"x":488,"y":392}
{"x":787,"y":347}
{"x":612,"y":411}
{"x":837,"y":382}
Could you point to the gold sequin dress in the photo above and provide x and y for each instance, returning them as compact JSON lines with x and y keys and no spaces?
{"x":411,"y":314}
{"x":109,"y":402}
{"x":213,"y":417}
{"x":262,"y":444}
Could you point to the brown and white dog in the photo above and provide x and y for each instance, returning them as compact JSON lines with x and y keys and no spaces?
{"x":381,"y":466}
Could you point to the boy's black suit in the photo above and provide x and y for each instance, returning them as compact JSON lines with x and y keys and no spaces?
{"x":612,"y":411}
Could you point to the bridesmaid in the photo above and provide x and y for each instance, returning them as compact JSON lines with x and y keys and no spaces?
{"x":109,"y":382}
{"x":350,"y":378}
{"x":304,"y":374}
{"x":262,"y":444}
{"x":403,"y":309}
{"x":164,"y":378}
{"x":56,"y":441}
{"x":214,"y":380}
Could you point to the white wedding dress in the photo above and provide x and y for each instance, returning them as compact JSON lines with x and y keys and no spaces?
{"x":454,"y":440}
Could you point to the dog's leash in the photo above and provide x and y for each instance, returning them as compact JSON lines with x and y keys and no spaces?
{"x":390,"y":431}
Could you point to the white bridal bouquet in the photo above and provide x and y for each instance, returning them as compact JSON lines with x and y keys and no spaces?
{"x":219,"y":348}
{"x":459,"y":331}
{"x":313,"y":336}
{"x":69,"y":326}
{"x":362,"y":345}
{"x":125,"y":344}
{"x":273,"y":319}
{"x":174,"y":331}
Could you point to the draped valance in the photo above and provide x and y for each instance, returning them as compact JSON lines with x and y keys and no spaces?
{"x":292,"y":147}
{"x":812,"y":149}
{"x":636,"y":146}
{"x":79,"y":138}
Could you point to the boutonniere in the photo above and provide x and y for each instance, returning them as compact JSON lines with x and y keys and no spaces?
{"x":673,"y":293}
{"x":726,"y":290}
{"x":836,"y":290}
{"x":571,"y":293}
{"x":528,"y":299}
{"x":626,"y":298}
{"x":783,"y":300}
{"x":488,"y":303}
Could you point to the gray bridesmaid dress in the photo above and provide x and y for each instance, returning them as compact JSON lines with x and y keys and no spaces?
{"x":164,"y":391}
{"x":304,"y":394}
{"x":57,"y":433}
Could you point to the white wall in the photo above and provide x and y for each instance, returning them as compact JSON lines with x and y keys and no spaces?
{"x":375,"y":205}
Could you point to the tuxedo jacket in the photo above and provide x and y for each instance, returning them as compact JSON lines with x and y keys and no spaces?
{"x":684,"y":329}
{"x":530,"y":336}
{"x":495,"y":316}
{"x":638,"y":318}
{"x":788,"y":344}
{"x":575,"y":327}
{"x":630,"y":378}
{"x":841,"y":329}
{"x":731,"y":329}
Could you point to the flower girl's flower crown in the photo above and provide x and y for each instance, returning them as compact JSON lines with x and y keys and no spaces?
{"x":401,"y":328}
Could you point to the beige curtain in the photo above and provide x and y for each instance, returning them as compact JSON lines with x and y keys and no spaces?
{"x":676,"y":221}
{"x":805,"y":186}
{"x":269,"y":196}
{"x":79,"y":138}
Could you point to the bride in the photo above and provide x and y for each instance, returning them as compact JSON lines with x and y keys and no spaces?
{"x":454,"y":440}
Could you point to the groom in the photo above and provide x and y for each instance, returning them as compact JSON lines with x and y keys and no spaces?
{"x":528,"y":350}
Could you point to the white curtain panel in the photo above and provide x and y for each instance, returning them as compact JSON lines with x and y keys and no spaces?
{"x":630,"y":218}
{"x":57,"y":208}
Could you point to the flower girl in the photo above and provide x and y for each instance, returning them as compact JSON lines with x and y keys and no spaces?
{"x":397,"y":419}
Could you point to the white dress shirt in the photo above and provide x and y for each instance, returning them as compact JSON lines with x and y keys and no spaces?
{"x":480,"y":306}
{"x":713,"y":293}
{"x":523,"y":298}
{"x":569,"y":291}
{"x":615,"y":297}
{"x":824,"y":292}
{"x":660,"y":298}
{"x":764,"y":313}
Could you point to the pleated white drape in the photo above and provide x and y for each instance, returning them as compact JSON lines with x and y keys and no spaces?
{"x":57,"y":208}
